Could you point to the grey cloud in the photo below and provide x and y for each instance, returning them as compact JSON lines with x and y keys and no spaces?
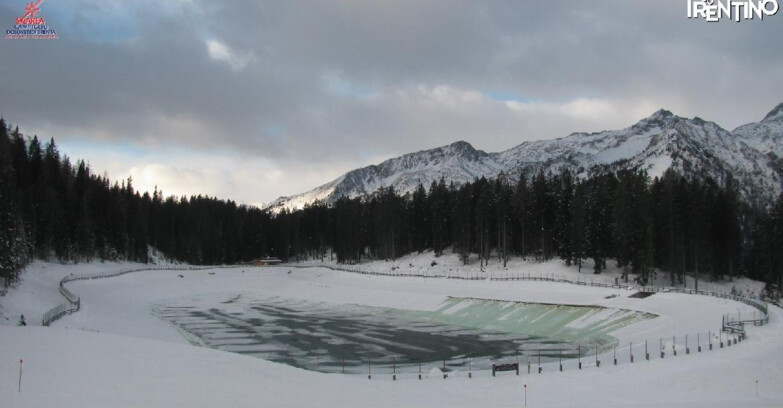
{"x":163,"y":88}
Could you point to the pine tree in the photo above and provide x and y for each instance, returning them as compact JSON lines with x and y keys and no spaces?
{"x":483,"y":210}
{"x":521,"y":211}
{"x":578,"y":228}
{"x":600,"y":207}
{"x":440,"y":215}
{"x":462,"y":222}
{"x":420,"y":227}
{"x":503,"y":217}
{"x":774,"y":250}
{"x":633,"y":225}
{"x":348,"y":230}
{"x":564,"y":196}
{"x":541,"y":215}
{"x":13,"y":240}
{"x":13,"y":237}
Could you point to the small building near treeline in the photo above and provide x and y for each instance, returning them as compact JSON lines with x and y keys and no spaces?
{"x":266,"y":261}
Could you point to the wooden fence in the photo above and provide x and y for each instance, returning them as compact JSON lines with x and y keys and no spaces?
{"x":73,"y":302}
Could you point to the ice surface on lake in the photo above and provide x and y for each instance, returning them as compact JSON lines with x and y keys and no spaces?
{"x":576,"y":324}
{"x":356,"y":338}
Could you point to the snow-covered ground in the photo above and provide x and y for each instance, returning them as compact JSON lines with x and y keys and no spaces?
{"x":116,"y":352}
{"x":450,"y":265}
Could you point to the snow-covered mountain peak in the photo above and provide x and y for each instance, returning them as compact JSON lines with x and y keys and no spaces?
{"x":661,"y":114}
{"x":658,"y":120}
{"x":460,"y":149}
{"x":460,"y":146}
{"x":775,"y":114}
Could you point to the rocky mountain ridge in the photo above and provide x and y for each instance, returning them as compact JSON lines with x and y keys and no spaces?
{"x":752,"y":154}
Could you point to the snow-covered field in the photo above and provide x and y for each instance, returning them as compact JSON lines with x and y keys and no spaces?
{"x":117,"y":352}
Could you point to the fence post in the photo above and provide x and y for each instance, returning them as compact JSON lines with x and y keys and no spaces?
{"x":630,"y":350}
{"x":674,"y":343}
{"x":445,"y":376}
{"x":539,"y":361}
{"x":21,"y":361}
{"x":561,"y":360}
{"x":646,"y":353}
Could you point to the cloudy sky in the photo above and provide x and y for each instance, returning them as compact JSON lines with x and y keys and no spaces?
{"x":250,"y":100}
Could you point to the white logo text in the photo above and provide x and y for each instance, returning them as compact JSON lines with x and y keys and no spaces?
{"x":736,"y":10}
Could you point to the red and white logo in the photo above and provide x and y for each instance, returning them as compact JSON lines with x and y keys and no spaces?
{"x":31,"y":14}
{"x":31,"y":25}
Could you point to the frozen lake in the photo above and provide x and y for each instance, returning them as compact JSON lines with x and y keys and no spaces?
{"x":335,"y":337}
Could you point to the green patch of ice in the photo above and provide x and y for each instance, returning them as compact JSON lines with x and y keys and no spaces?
{"x":585,"y":325}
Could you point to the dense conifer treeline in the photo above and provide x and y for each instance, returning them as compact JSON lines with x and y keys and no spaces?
{"x":670,"y":224}
{"x":53,"y":209}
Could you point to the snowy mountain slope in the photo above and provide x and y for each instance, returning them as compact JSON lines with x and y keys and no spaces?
{"x":458,"y":162}
{"x":701,"y":149}
{"x":766,"y":136}
{"x":693,"y":147}
{"x":298,"y":201}
{"x":580,"y":152}
{"x":752,"y":155}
